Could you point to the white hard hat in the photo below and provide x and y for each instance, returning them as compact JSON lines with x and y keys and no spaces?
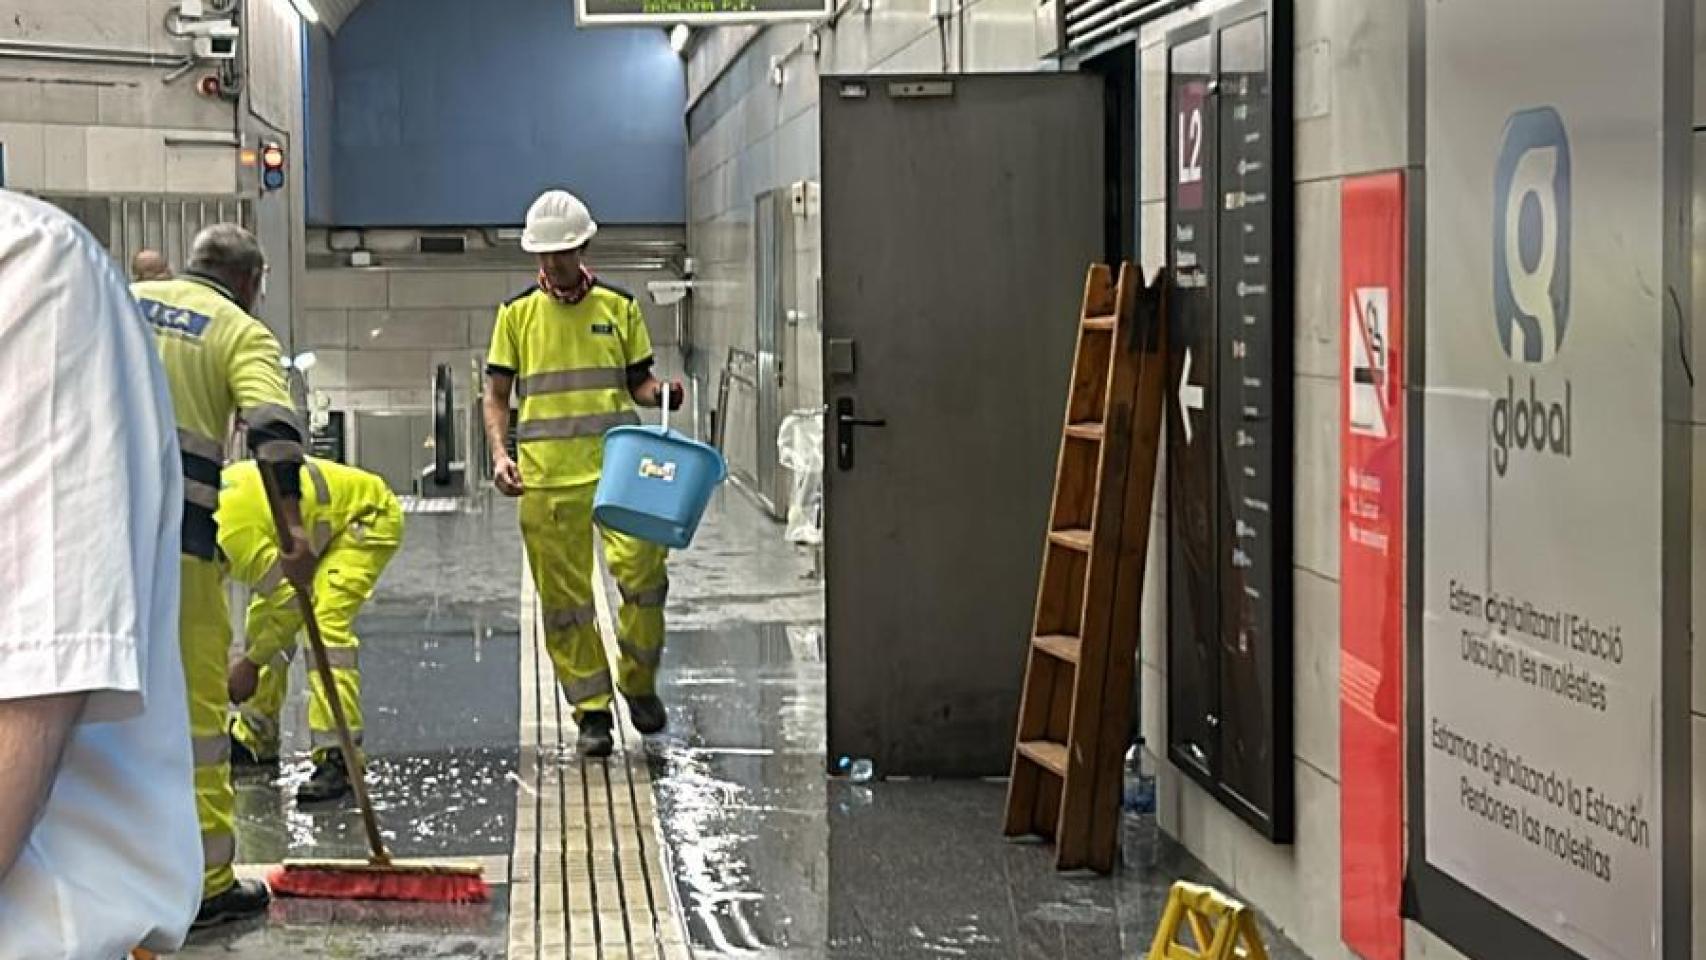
{"x":557,"y":221}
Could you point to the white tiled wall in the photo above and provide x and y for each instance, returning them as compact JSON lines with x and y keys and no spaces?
{"x":1358,"y":123}
{"x":379,"y":333}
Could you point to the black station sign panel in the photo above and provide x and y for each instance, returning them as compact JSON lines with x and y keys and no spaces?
{"x":668,"y":13}
{"x":1229,"y":433}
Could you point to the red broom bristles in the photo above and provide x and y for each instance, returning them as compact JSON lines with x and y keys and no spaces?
{"x":359,"y":883}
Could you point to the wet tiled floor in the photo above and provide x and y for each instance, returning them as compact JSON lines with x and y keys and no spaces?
{"x":768,"y":857}
{"x":439,"y":667}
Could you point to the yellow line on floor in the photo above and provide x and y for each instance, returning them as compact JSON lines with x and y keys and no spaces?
{"x":588,"y":871}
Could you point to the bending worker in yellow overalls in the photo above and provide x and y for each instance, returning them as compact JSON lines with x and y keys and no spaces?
{"x":577,"y":351}
{"x":220,"y":362}
{"x":355,"y":525}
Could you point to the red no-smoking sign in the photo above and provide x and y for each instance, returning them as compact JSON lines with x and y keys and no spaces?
{"x":1371,"y":532}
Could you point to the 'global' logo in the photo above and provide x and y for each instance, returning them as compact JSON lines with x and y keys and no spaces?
{"x":1531,"y":236}
{"x":1531,"y":283}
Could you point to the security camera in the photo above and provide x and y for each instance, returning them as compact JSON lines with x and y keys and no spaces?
{"x":668,"y":292}
{"x":211,"y":25}
{"x":220,"y":44}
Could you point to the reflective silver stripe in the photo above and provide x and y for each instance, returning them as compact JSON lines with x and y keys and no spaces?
{"x":569,"y":619}
{"x":568,"y":381}
{"x":329,"y":738}
{"x":654,"y":597}
{"x":645,"y":658}
{"x":271,"y":580}
{"x":211,"y":751}
{"x":282,"y":661}
{"x":320,"y":536}
{"x":322,"y":490}
{"x":218,"y":850}
{"x":340,"y":658}
{"x":201,"y":494}
{"x":263,"y":413}
{"x":279,"y":451}
{"x":593,"y":686}
{"x":568,"y":428}
{"x":259,"y":724}
{"x":206,"y":448}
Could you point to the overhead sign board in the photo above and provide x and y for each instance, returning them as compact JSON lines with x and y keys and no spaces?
{"x":1549,"y":751}
{"x":668,"y":13}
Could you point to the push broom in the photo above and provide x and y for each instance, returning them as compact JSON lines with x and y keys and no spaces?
{"x":379,"y":877}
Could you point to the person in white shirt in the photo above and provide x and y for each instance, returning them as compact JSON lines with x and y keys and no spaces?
{"x":100,"y":850}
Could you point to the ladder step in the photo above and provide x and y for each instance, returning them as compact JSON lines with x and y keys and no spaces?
{"x":1059,"y":646}
{"x":1079,"y":540}
{"x":1099,"y":323}
{"x":1047,"y":754}
{"x":1086,"y":431}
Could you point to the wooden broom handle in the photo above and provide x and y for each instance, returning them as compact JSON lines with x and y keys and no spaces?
{"x":352,"y":755}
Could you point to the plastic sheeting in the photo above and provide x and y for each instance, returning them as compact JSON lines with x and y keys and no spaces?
{"x":799,"y":447}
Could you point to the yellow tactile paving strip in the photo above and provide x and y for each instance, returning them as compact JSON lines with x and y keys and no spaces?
{"x":588,"y":877}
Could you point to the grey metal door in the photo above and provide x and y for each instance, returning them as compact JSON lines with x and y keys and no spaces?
{"x":959,"y":217}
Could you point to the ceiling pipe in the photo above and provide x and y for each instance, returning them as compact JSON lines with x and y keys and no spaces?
{"x":71,"y":53}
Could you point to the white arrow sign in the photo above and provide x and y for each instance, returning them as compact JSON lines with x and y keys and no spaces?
{"x":1190,"y":397}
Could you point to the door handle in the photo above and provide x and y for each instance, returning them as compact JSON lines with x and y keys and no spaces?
{"x":845,"y":424}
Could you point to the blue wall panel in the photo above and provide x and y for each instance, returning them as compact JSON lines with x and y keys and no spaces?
{"x":456,"y":112}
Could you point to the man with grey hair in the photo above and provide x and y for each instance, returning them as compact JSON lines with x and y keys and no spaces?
{"x":220,"y":361}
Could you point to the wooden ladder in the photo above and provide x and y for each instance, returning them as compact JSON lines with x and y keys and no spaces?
{"x":1073,"y":717}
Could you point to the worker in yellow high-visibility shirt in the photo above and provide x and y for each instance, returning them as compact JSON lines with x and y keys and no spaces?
{"x":222,"y":362}
{"x":356,"y":525}
{"x":577,"y":351}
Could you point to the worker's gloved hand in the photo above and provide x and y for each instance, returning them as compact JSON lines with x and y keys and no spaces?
{"x":506,"y":476}
{"x":243,"y":678}
{"x":298,"y":562}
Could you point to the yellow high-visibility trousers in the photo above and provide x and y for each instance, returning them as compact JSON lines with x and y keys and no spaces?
{"x":204,"y":639}
{"x":557,"y":528}
{"x":344,"y":581}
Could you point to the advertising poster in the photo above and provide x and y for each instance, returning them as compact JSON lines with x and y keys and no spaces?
{"x":1538,"y":741}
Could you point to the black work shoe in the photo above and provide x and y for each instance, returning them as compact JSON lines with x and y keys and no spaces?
{"x":242,"y":900}
{"x":595,"y":739}
{"x":330,"y":780}
{"x":648,"y":714}
{"x":242,"y":757}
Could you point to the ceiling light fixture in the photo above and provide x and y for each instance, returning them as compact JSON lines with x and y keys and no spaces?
{"x":306,"y":9}
{"x":679,"y":36}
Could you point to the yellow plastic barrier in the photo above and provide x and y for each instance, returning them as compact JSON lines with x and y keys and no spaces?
{"x":1221,"y":928}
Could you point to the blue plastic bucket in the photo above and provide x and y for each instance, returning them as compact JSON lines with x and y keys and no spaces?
{"x":655,"y":484}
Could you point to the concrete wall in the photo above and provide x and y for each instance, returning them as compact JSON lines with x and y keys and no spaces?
{"x":321,"y":117}
{"x":87,"y":128}
{"x":273,"y":100}
{"x":485,"y":105}
{"x":747,"y":135}
{"x":82,"y":128}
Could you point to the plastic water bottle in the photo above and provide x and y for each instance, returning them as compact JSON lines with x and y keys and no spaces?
{"x":858,"y":771}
